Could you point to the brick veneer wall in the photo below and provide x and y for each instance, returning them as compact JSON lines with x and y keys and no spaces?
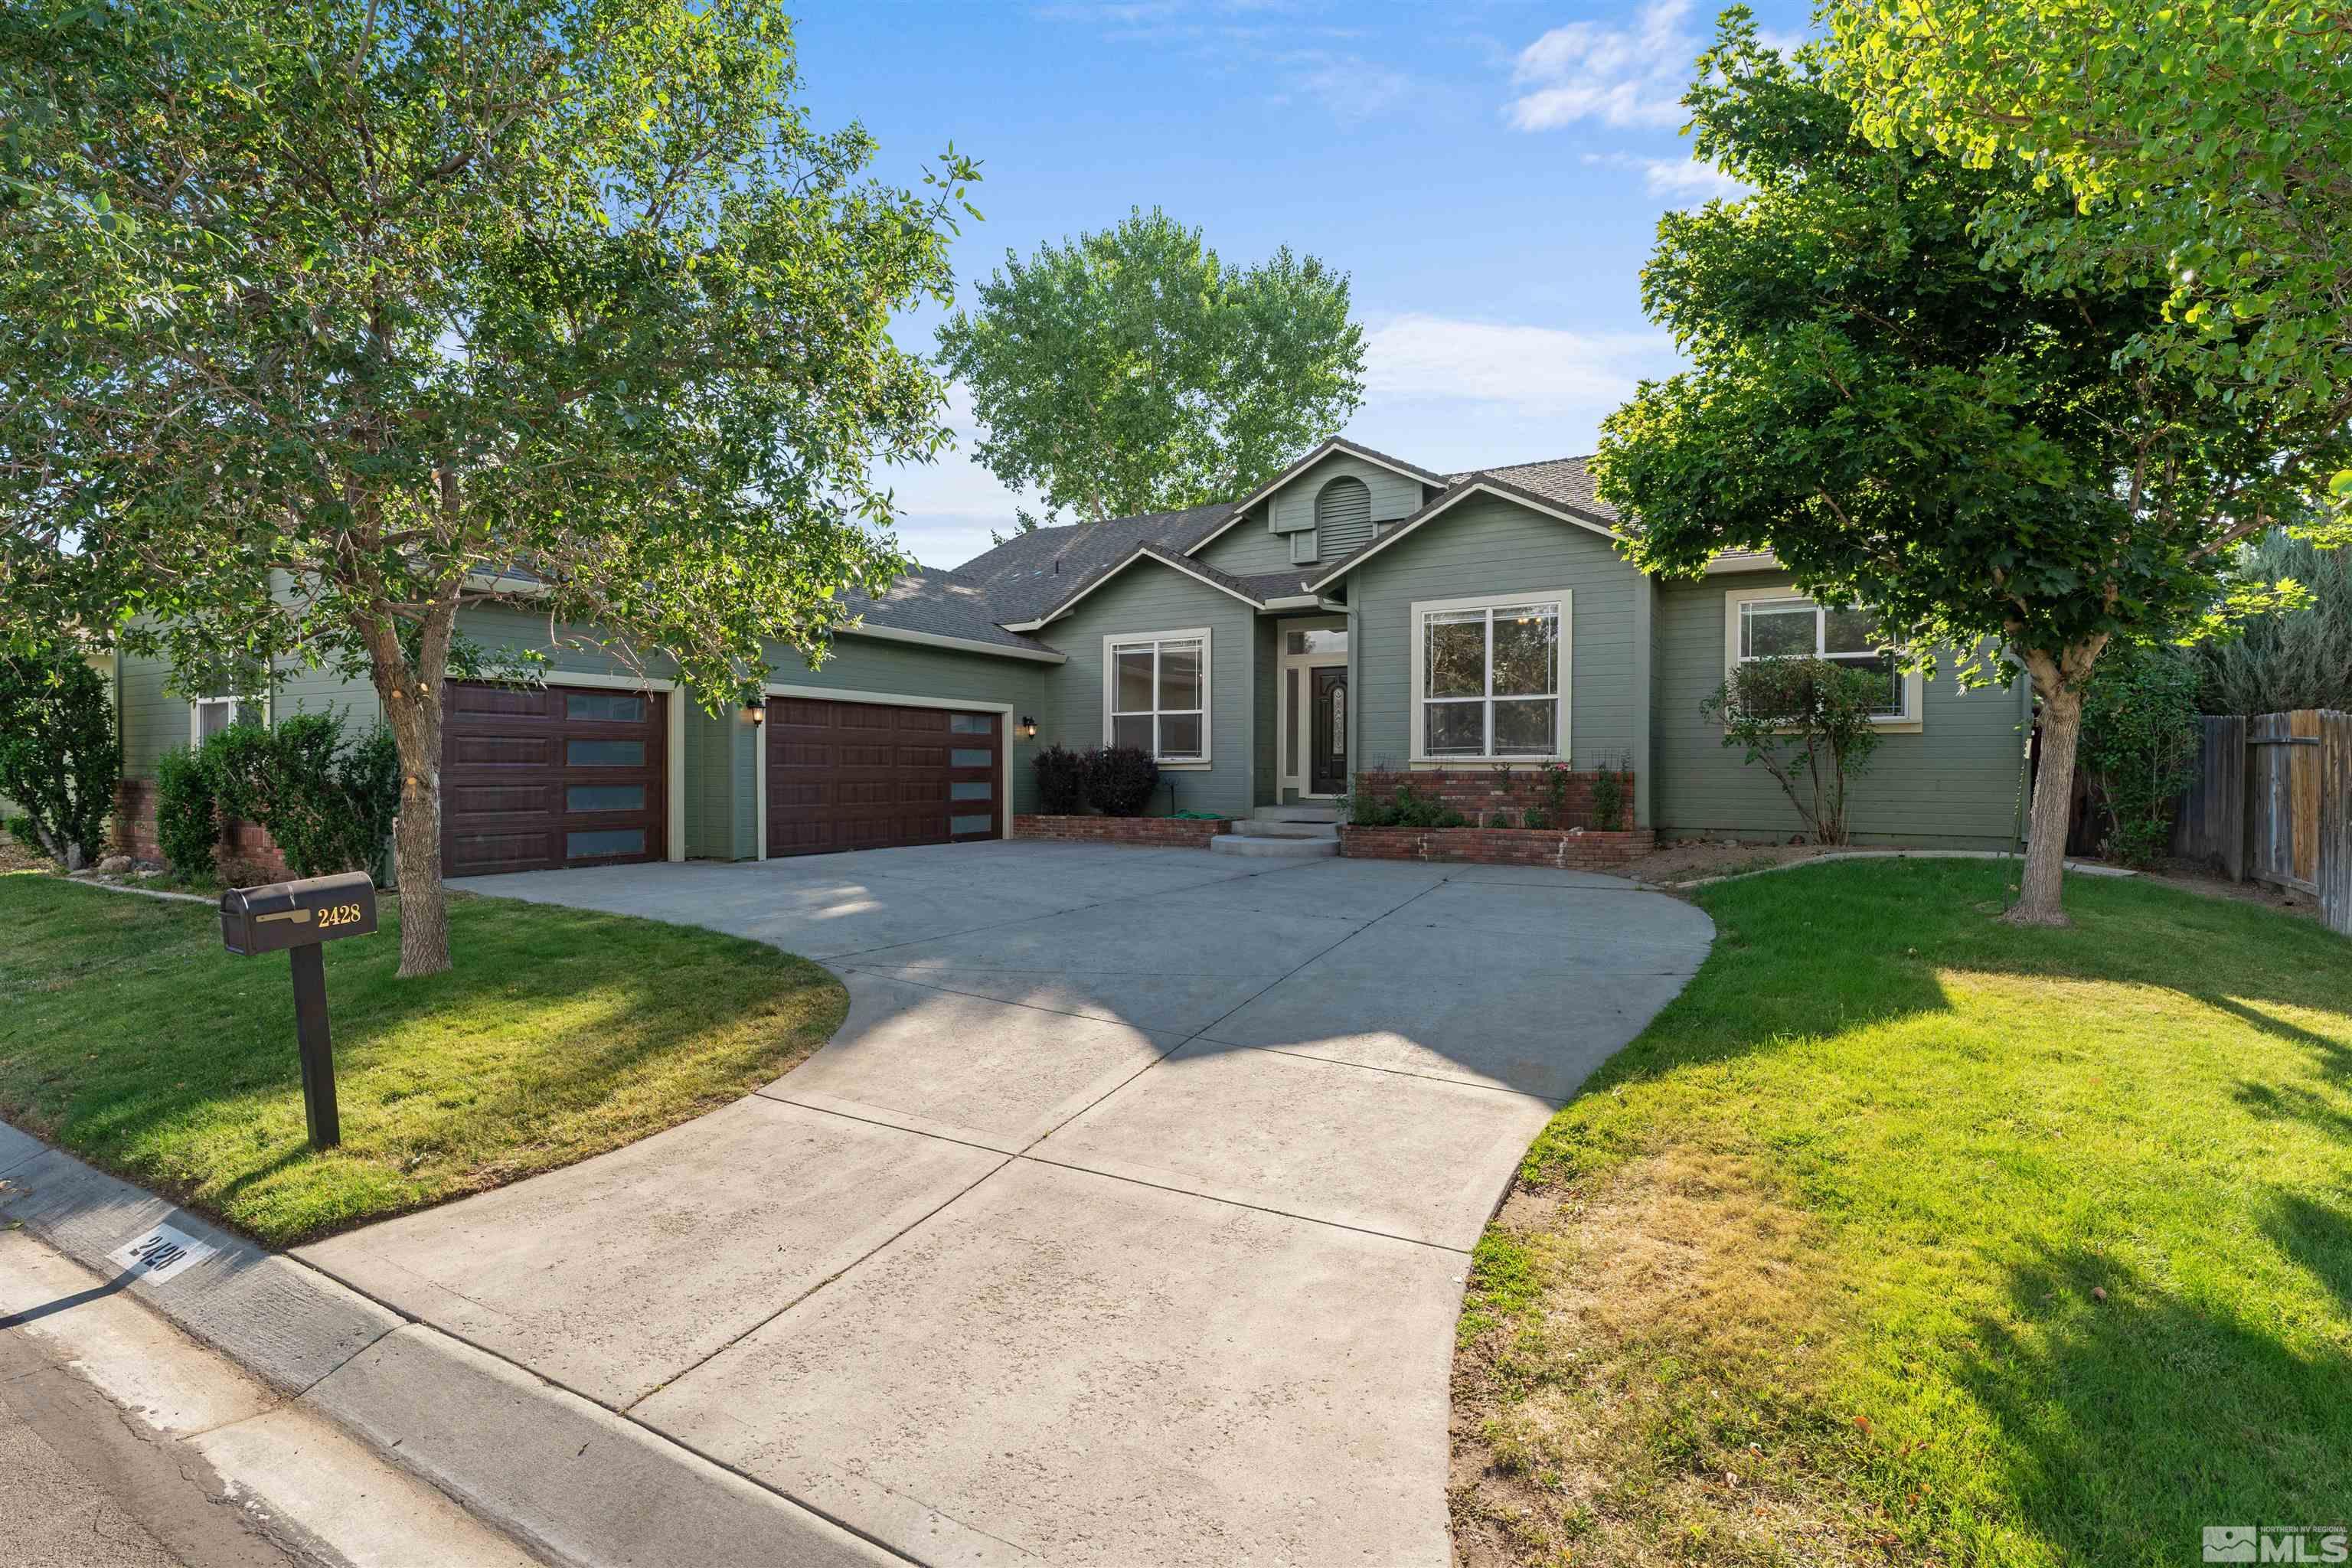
{"x":1587,"y":851}
{"x":1166,"y":831}
{"x":1473,"y":792}
{"x":134,"y":833}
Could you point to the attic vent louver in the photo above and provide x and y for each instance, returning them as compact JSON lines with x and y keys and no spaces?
{"x":1343,"y":516}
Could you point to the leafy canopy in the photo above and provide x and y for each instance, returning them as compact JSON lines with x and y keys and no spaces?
{"x":2198,"y":144}
{"x":1132,"y":371}
{"x":320,"y":321}
{"x":1907,"y":423}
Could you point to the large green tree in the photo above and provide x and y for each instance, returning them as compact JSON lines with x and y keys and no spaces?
{"x":1911,"y":427}
{"x":1132,"y":371}
{"x":2206,"y":145}
{"x":321,"y":323}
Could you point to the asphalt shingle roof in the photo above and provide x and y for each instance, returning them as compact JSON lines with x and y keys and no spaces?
{"x":1032,"y":574}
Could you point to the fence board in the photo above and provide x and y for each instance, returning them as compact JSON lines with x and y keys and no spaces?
{"x":2303,"y":787}
{"x":2211,"y":824}
{"x":2332,"y":842}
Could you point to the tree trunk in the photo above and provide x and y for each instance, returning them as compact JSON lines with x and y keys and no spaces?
{"x":416,"y":837}
{"x":412,"y":708}
{"x":2041,"y":894}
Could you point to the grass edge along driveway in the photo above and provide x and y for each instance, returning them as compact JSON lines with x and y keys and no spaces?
{"x":1905,"y":1235}
{"x":133,"y":1040}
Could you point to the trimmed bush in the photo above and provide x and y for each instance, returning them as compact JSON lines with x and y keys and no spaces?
{"x":1120,"y":779}
{"x":1061,"y":781}
{"x":187,"y":814}
{"x":59,"y":757}
{"x":327,"y":806}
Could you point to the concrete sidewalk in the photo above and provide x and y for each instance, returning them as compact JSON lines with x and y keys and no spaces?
{"x":1125,"y":1221}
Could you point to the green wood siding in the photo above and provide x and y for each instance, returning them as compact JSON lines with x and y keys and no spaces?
{"x":1952,"y":785}
{"x":1487,"y":545}
{"x":1150,"y":597}
{"x":1261,"y":542}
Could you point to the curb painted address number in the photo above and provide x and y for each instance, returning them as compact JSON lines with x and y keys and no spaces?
{"x":157,"y":1254}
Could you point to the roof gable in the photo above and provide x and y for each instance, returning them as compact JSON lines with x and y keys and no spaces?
{"x":1461,"y":491}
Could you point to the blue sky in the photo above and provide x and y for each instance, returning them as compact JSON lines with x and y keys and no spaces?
{"x":1489,"y":174}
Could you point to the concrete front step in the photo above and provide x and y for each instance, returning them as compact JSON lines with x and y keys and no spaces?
{"x":1286,"y":848}
{"x":1252,"y":827}
{"x":1311,"y":813}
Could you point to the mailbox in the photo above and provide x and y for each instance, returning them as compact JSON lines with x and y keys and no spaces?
{"x":295,"y":918}
{"x":296,"y":914}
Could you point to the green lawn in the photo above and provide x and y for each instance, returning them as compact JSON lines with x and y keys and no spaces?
{"x":132,"y":1039}
{"x":1902,"y":1235}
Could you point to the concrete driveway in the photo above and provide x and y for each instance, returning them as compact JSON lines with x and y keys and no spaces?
{"x":1124,"y":1222}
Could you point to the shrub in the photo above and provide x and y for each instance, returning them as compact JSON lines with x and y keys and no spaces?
{"x":1808,"y":722}
{"x":2295,"y":658}
{"x":1061,"y":781}
{"x":1407,"y":809}
{"x":187,"y":813}
{"x":59,"y":757}
{"x":2139,"y":746}
{"x":1609,"y":796}
{"x":1120,"y":779}
{"x":327,"y":805}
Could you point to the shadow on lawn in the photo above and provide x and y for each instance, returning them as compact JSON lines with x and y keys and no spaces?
{"x":2137,"y":1420}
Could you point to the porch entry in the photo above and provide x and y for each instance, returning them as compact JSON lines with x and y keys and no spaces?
{"x":1311,"y":707}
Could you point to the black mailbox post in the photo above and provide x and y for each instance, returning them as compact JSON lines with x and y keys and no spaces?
{"x":295,"y":918}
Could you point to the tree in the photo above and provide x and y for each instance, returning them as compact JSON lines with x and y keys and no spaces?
{"x":2299,"y":657}
{"x":1133,"y":370}
{"x":59,"y":758}
{"x":1911,"y":427}
{"x":320,"y":324}
{"x":2203,"y":143}
{"x":1807,"y":722}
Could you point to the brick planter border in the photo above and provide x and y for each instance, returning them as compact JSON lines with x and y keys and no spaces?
{"x":1587,"y":851}
{"x":247,"y":849}
{"x":1168,"y":832}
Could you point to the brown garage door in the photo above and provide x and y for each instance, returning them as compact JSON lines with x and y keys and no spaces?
{"x":864,"y":775}
{"x":533,"y":778}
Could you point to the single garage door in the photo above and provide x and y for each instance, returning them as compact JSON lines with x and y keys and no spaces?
{"x":533,"y":778}
{"x":866,"y":775}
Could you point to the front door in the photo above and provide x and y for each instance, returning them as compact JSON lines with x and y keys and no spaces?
{"x":1326,"y":732}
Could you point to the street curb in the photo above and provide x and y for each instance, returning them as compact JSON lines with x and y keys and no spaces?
{"x":575,"y":1484}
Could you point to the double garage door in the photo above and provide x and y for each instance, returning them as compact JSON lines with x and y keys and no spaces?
{"x":534,"y":778}
{"x":865,"y":776}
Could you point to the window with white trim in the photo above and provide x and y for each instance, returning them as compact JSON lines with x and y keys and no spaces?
{"x":1795,"y":626}
{"x":208,"y":716}
{"x":1156,"y":694}
{"x":1488,"y":680}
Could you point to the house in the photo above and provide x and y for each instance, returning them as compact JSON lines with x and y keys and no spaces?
{"x":1359,"y":613}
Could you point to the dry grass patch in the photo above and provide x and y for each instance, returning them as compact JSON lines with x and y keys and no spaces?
{"x":1657,"y":1389}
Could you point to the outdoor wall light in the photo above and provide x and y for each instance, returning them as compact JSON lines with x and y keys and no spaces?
{"x":1028,"y":727}
{"x":756,"y":711}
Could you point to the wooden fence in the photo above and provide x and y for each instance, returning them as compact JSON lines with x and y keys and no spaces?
{"x":2272,"y":802}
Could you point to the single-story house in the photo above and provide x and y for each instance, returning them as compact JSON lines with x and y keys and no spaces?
{"x":1357,"y":613}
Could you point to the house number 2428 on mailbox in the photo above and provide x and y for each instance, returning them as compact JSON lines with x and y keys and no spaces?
{"x":294,"y":918}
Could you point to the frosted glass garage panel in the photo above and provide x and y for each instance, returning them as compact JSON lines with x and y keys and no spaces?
{"x":605,"y":841}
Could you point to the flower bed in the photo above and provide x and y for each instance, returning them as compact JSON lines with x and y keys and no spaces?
{"x":1168,"y":832}
{"x":1573,"y":850}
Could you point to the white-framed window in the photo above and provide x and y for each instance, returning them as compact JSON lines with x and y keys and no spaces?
{"x":1490,"y":678}
{"x":208,"y":716}
{"x":1156,"y":694}
{"x":1776,"y":623}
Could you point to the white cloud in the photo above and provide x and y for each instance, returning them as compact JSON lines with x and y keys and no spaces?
{"x":1530,"y":369}
{"x":1352,"y":90}
{"x":1685,"y":177}
{"x":1624,"y":76}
